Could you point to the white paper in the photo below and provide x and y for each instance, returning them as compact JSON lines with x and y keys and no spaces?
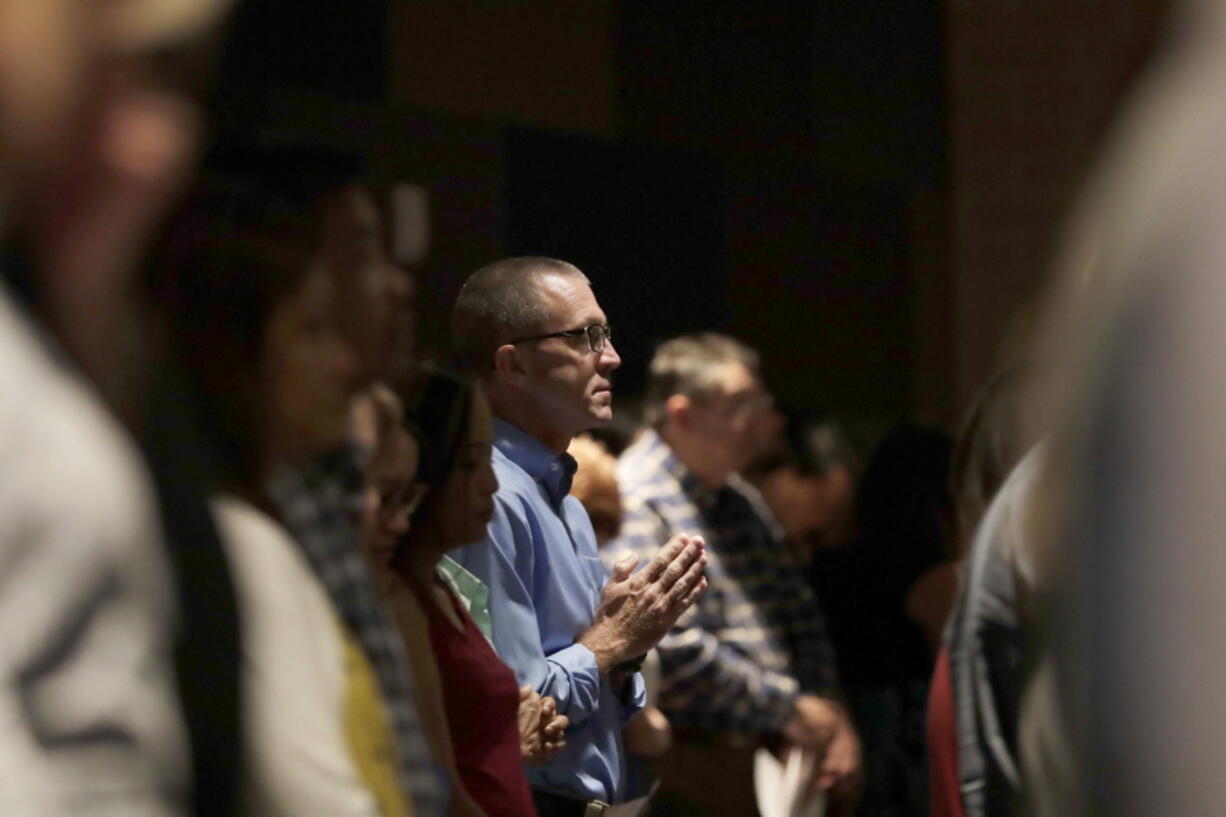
{"x":632,"y":808}
{"x":779,"y":786}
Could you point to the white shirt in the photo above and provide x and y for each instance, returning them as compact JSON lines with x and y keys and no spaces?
{"x":298,"y":761}
{"x":89,"y":721}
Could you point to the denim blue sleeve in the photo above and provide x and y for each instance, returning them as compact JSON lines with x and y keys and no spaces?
{"x":505,"y":561}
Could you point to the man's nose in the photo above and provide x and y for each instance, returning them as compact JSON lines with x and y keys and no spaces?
{"x":609,"y":359}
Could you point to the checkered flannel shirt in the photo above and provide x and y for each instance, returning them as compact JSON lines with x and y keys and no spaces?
{"x":320,"y":506}
{"x":736,"y":660}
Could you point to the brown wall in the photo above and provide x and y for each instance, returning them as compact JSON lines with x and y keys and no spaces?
{"x":1032,"y":88}
{"x":836,"y":142}
{"x":544,"y":63}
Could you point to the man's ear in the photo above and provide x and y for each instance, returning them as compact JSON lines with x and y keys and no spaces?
{"x":508,"y":364}
{"x":678,"y":409}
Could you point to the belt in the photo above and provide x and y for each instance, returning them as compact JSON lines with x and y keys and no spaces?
{"x":555,"y":804}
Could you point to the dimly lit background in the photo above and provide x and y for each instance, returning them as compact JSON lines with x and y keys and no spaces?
{"x":868,"y":191}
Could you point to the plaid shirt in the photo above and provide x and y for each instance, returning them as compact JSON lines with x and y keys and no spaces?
{"x":736,"y":660}
{"x":319,"y":506}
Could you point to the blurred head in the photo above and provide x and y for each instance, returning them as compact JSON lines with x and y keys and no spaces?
{"x":46,"y":51}
{"x":595,"y":485}
{"x":309,"y":372}
{"x":373,"y":296}
{"x":706,"y":398}
{"x":991,"y":442}
{"x":532,"y":331}
{"x":98,"y":128}
{"x":453,"y":424}
{"x":390,"y":490}
{"x":375,"y":309}
{"x":810,"y":485}
{"x":252,"y":314}
{"x":59,"y":65}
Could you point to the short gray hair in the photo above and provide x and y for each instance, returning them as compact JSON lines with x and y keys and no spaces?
{"x":687,"y":365}
{"x":499,"y":302}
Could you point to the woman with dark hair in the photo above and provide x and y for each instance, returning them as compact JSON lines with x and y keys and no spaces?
{"x":250,"y":316}
{"x":489,"y":728}
{"x":992,"y":441}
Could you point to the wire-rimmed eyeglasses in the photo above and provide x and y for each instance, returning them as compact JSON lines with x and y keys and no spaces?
{"x":597,"y":334}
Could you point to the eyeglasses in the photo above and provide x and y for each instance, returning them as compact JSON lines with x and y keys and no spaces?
{"x":597,"y":334}
{"x":398,"y":498}
{"x":744,"y":406}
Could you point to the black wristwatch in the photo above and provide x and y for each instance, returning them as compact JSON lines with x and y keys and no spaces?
{"x":631,"y":664}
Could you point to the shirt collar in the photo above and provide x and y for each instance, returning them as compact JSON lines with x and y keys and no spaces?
{"x":702,"y":496}
{"x":552,"y":471}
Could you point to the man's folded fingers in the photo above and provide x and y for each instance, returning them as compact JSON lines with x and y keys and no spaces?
{"x":665,"y":557}
{"x":686,"y":584}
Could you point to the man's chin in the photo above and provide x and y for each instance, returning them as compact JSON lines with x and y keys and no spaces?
{"x":601,"y":416}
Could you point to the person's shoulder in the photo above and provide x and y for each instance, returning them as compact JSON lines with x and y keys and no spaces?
{"x":271,"y":572}
{"x":253,"y":538}
{"x":239,"y":519}
{"x":757,"y":504}
{"x":68,"y":461}
{"x":514,"y":483}
{"x":643,"y":475}
{"x":1004,"y":524}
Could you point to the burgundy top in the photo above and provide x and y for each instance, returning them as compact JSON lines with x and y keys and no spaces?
{"x":482,"y":702}
{"x":946,"y":798}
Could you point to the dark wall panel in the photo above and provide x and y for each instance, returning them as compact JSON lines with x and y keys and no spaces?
{"x":645,"y":224}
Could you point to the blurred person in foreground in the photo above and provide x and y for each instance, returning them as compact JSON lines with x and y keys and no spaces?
{"x":750,"y":662}
{"x":648,"y":734}
{"x":239,"y":275}
{"x":92,"y":149}
{"x":1123,"y":712}
{"x":531,"y":331}
{"x":319,"y":498}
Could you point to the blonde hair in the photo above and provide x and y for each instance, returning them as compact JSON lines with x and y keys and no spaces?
{"x":595,"y":482}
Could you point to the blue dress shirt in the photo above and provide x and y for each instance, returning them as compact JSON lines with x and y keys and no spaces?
{"x":544,"y":576}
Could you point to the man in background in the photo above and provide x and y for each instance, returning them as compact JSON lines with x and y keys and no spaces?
{"x":750,"y":663}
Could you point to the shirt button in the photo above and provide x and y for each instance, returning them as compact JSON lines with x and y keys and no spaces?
{"x":553,"y":466}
